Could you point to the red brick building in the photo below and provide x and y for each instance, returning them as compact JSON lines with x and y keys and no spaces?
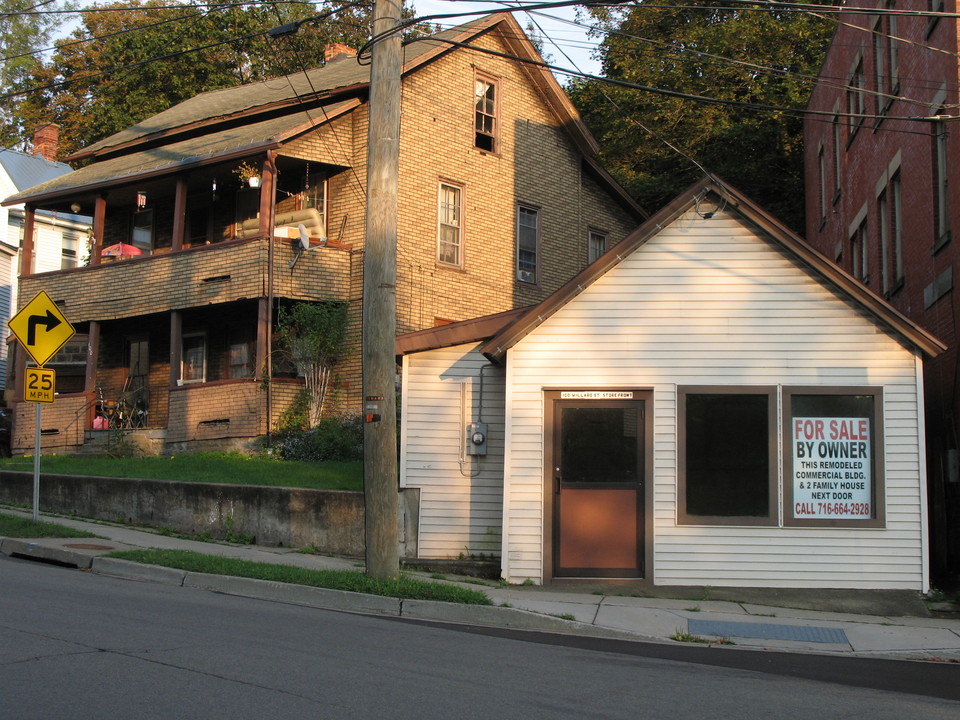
{"x":501,"y":200}
{"x":882,"y":148}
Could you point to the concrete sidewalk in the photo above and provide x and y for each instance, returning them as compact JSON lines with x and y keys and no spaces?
{"x":562,"y":608}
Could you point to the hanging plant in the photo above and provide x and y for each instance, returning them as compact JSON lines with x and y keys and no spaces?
{"x":248,"y":174}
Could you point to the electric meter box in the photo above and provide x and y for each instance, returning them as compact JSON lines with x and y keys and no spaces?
{"x":477,"y":439}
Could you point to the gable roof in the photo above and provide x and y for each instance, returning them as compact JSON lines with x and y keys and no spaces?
{"x":261,"y":116}
{"x":26,"y":171}
{"x":768,"y":227}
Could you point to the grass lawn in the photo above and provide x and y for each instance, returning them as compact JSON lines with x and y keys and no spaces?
{"x":14,"y":526}
{"x":228,"y":468}
{"x":404,"y":587}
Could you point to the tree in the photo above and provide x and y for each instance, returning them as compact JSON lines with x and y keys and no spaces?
{"x":313,"y":338}
{"x":131,"y":60}
{"x":748,"y":56}
{"x":25,"y":30}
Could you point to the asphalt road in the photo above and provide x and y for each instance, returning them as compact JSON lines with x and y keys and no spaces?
{"x":78,"y":645}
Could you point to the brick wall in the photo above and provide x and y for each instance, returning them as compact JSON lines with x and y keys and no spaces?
{"x":207,"y":275}
{"x":62,"y":424}
{"x":867,"y":160}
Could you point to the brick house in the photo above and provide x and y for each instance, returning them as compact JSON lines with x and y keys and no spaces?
{"x":501,"y":201}
{"x":882,"y":199}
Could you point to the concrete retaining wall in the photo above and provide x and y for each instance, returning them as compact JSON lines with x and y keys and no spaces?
{"x":329,"y":520}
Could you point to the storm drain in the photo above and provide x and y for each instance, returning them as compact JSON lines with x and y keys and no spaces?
{"x":765,"y":631}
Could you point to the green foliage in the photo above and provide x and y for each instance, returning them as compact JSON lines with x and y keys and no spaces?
{"x":225,"y":468}
{"x":118,"y":68}
{"x":22,"y":34}
{"x":724,"y":51}
{"x":296,"y":417}
{"x":404,"y":587}
{"x":313,"y":337}
{"x":14,"y":526}
{"x":331,"y":439}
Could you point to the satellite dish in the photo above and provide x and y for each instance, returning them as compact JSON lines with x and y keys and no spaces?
{"x":304,"y":238}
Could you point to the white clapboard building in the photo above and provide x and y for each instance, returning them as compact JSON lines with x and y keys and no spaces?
{"x":711,"y":402}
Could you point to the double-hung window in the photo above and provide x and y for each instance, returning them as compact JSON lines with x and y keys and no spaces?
{"x":193,"y":362}
{"x":141,"y":231}
{"x":485,"y":123}
{"x":940,"y":176}
{"x":450,"y":225}
{"x":528,"y":240}
{"x":596,"y":245}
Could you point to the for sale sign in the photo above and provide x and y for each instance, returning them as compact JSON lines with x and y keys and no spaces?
{"x":831,"y":468}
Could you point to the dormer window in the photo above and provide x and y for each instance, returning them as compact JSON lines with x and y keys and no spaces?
{"x":485,"y":96}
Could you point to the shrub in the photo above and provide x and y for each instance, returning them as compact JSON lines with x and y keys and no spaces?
{"x":332,"y":439}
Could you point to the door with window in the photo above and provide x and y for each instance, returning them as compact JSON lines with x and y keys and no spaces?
{"x":598,"y":476}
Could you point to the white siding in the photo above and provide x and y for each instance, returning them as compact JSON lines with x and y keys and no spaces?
{"x":8,"y":277}
{"x":461,"y":497}
{"x":707,"y":302}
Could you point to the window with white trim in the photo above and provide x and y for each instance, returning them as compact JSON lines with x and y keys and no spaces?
{"x":528,"y":241}
{"x":450,"y":225}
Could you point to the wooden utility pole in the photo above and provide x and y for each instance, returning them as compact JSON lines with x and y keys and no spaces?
{"x":379,"y":298}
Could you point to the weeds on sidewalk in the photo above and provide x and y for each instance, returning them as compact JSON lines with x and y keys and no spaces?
{"x":404,"y":587}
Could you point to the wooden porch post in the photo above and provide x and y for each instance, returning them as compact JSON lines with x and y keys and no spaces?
{"x":99,"y":217}
{"x":176,"y":345}
{"x":93,"y":359}
{"x":179,"y":213}
{"x":27,"y":251}
{"x":268,"y":185}
{"x":264,"y":364}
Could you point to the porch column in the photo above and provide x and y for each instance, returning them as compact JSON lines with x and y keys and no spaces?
{"x":99,"y":217}
{"x":27,"y":251}
{"x":93,"y":359}
{"x":179,"y":213}
{"x":268,"y":185}
{"x":176,"y":345}
{"x":264,"y":364}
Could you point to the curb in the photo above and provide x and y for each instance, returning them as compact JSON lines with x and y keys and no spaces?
{"x":36,"y":551}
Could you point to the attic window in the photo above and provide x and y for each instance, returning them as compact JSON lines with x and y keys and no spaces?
{"x":485,"y":97}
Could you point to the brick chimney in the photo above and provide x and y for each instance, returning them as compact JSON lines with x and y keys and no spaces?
{"x":46,"y":139}
{"x":334,"y":51}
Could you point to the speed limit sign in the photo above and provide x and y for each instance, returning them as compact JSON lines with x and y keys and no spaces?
{"x":39,"y":384}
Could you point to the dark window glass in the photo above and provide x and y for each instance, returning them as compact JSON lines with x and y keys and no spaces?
{"x":599,"y":444}
{"x":727,"y":455}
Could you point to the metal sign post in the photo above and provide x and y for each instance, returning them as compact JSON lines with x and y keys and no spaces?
{"x":36,"y":468}
{"x":42,"y":330}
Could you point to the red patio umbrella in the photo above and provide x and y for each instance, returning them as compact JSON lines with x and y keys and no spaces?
{"x":121,"y":249}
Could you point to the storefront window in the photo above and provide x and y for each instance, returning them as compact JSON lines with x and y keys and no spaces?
{"x":727,"y":456}
{"x":831,"y":456}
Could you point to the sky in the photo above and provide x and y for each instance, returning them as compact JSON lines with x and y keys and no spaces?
{"x":561,"y":37}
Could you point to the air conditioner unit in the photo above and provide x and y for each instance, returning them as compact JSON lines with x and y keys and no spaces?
{"x":526,"y":276}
